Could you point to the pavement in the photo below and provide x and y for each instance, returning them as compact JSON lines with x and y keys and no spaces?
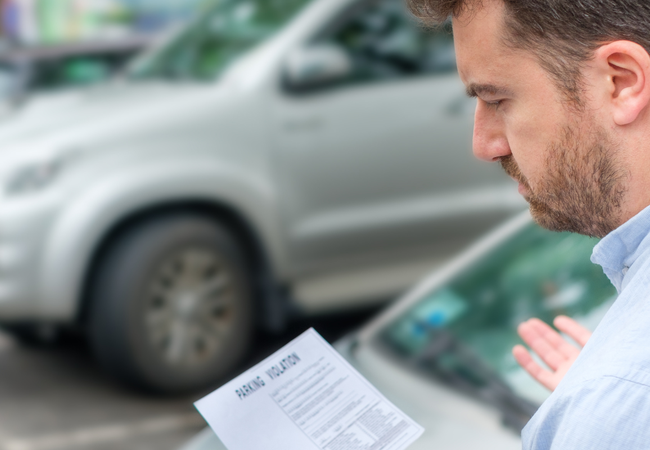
{"x":55,"y":397}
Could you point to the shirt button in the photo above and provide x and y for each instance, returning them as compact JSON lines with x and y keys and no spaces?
{"x":625,"y":269}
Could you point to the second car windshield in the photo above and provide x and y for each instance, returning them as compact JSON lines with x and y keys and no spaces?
{"x":224,"y":33}
{"x":535,"y":274}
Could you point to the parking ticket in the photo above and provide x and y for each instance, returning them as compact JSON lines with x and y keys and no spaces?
{"x":306,"y":396}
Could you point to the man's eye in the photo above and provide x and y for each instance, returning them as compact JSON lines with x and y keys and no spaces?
{"x":494,"y":104}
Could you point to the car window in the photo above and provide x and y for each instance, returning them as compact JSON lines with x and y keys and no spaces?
{"x":464,"y":332}
{"x":222,"y":34}
{"x":385,"y":42}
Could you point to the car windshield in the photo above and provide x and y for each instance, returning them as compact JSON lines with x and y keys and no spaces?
{"x":228,"y":30}
{"x":536,"y":273}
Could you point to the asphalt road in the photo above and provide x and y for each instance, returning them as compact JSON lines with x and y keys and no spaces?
{"x":55,"y":397}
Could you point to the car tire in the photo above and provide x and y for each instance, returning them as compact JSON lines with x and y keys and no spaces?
{"x":171,"y":306}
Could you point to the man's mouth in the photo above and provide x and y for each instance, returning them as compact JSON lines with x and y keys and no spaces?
{"x":510,"y":167}
{"x":523,"y":190}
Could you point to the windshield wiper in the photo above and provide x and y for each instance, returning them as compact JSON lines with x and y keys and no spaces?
{"x":456,"y":364}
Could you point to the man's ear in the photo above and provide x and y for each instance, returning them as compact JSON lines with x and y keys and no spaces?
{"x":624,"y":67}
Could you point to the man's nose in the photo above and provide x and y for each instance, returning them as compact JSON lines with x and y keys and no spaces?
{"x":490,"y":142}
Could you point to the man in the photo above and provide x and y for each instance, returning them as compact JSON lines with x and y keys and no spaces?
{"x":563,"y":90}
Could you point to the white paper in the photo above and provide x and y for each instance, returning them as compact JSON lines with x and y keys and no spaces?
{"x":306,"y":397}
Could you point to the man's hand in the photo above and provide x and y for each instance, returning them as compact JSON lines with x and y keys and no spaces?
{"x":551,"y":347}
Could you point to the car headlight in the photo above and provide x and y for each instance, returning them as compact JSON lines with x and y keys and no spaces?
{"x":33,"y":177}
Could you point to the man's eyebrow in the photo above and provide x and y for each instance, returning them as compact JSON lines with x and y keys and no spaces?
{"x":475,"y":90}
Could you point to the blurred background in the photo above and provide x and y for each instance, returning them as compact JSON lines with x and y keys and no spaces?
{"x":185,"y":185}
{"x":40,"y":22}
{"x":52,"y":44}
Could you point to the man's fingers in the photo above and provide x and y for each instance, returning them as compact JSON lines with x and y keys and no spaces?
{"x":525,"y":360}
{"x":540,"y":345}
{"x":523,"y":357}
{"x":551,"y":347}
{"x":572,"y":329}
{"x":554,"y":339}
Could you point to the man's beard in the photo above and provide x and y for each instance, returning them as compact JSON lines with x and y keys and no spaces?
{"x":582,"y":188}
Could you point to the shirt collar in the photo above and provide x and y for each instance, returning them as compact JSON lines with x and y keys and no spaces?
{"x":620,"y":249}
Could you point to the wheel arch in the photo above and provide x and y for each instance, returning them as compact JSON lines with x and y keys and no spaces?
{"x":270,"y":310}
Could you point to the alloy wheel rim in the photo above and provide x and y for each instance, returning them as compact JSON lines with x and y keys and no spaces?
{"x":190,"y":308}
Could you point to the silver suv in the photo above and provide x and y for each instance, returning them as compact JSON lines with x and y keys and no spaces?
{"x":275,"y":159}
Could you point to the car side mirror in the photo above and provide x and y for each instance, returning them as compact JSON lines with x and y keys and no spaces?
{"x":317,"y":66}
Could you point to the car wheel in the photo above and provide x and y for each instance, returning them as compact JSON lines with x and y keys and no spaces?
{"x":171,"y":309}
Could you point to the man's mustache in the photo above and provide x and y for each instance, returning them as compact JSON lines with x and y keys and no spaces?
{"x":510,"y":167}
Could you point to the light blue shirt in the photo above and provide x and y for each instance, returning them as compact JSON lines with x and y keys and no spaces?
{"x":604,"y":400}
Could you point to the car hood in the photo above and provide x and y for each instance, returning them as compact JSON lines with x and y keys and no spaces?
{"x":101,"y":113}
{"x":451,"y":420}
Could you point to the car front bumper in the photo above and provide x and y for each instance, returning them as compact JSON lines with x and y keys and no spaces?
{"x":24,"y":227}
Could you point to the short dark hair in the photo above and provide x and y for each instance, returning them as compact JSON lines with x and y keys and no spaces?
{"x":564,"y":34}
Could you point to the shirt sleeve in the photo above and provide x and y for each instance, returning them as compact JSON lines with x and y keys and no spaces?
{"x":606,"y":413}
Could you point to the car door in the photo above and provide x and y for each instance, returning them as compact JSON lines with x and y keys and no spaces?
{"x":381,"y":164}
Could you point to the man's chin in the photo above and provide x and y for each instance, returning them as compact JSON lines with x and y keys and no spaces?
{"x":546,"y":218}
{"x":561,"y":220}
{"x":545,"y":221}
{"x":552,"y":220}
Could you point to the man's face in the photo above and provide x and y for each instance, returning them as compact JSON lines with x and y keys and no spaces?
{"x":564,"y":161}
